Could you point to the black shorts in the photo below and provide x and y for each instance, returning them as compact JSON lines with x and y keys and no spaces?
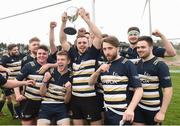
{"x":51,"y":111}
{"x":112,"y":118}
{"x":85,"y":108}
{"x":8,"y":91}
{"x":100,"y":100}
{"x":144,"y":116}
{"x":30,"y":109}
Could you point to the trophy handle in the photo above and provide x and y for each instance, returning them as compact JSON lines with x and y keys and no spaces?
{"x":70,"y":31}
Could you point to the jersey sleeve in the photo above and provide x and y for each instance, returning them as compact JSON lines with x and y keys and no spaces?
{"x":24,"y":61}
{"x":52,"y":58}
{"x":24,"y":72}
{"x":133,"y":77}
{"x":4,"y":61}
{"x":159,"y":51}
{"x":94,"y":53}
{"x":72,"y":53}
{"x":164,"y":75}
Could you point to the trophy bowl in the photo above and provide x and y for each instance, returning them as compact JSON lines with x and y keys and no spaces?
{"x":72,"y":15}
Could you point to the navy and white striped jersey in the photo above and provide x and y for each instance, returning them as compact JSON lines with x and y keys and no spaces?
{"x":30,"y":72}
{"x":154,"y":75}
{"x":56,"y":90}
{"x":12,"y":62}
{"x":121,"y":75}
{"x":2,"y":80}
{"x":132,"y":53}
{"x":83,"y":66}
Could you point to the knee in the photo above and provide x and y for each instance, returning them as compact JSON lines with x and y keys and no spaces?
{"x":43,"y":122}
{"x":65,"y":121}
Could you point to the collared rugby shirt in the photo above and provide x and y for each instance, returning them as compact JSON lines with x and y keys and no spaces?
{"x":132,"y":53}
{"x":30,"y":72}
{"x":154,"y":75}
{"x":12,"y":62}
{"x":83,"y":66}
{"x":56,"y":90}
{"x":121,"y":75}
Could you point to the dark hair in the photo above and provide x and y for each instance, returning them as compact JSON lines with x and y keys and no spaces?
{"x":81,"y":31}
{"x":104,"y":35}
{"x":87,"y":33}
{"x":148,"y":39}
{"x":44,"y":47}
{"x":80,"y":36}
{"x":133,"y":28}
{"x":34,"y":39}
{"x":111,"y":40}
{"x":11,"y":46}
{"x":63,"y":53}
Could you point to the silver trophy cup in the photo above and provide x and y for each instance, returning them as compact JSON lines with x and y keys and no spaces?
{"x":72,"y":14}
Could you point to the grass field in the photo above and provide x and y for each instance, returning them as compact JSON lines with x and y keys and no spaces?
{"x":172,"y":116}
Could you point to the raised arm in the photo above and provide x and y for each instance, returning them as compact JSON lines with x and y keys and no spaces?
{"x":97,"y":33}
{"x":53,"y":47}
{"x":170,"y":51}
{"x":62,"y":36}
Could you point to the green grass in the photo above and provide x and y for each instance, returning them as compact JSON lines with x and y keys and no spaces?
{"x":172,"y":115}
{"x":7,"y":119}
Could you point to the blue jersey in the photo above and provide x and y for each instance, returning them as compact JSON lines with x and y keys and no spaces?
{"x":2,"y":80}
{"x":154,"y":75}
{"x":28,"y":58}
{"x":12,"y":62}
{"x":56,"y":90}
{"x":121,"y":75}
{"x":83,"y":66}
{"x":132,"y":53}
{"x":30,"y":72}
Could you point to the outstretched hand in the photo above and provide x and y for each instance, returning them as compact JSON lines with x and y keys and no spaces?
{"x":30,"y":82}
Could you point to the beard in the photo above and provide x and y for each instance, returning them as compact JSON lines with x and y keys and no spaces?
{"x":111,"y":57}
{"x":133,"y":43}
{"x":15,"y":54}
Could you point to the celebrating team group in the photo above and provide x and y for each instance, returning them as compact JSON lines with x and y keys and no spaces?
{"x":92,"y":81}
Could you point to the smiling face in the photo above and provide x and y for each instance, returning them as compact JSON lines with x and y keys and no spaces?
{"x":143,"y":49}
{"x":14,"y":51}
{"x":62,"y":61}
{"x":42,"y":56}
{"x":82,"y":44}
{"x":133,"y":36}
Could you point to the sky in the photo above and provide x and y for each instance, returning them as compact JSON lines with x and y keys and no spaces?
{"x":113,"y":17}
